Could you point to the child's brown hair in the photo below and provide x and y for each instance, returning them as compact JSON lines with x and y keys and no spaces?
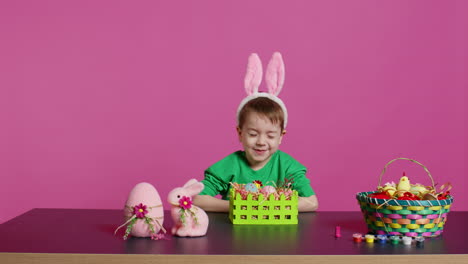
{"x":263,"y":106}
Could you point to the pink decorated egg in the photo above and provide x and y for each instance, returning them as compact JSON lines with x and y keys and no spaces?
{"x":143,"y":202}
{"x":267,"y":190}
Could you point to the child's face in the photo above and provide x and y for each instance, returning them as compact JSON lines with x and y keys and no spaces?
{"x":260,"y":139}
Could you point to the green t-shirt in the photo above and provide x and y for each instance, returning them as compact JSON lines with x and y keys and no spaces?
{"x":235,"y":168}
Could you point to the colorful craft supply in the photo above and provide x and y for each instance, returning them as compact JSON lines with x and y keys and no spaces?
{"x":395,"y":240}
{"x":407,"y":240}
{"x":357,"y":237}
{"x":369,"y":238}
{"x":337,"y":231}
{"x":382,"y":239}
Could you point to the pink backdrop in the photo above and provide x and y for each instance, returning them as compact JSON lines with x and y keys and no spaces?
{"x":96,"y":96}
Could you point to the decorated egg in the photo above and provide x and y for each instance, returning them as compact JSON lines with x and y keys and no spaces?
{"x":267,"y":190}
{"x":251,"y":187}
{"x":143,"y":204}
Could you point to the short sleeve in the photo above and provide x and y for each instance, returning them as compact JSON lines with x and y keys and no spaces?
{"x":297,"y":172}
{"x":302,"y":185}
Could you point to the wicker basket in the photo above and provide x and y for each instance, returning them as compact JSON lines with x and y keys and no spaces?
{"x":262,"y":211}
{"x":404,"y":217}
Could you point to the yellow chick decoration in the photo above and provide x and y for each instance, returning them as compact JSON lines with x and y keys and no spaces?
{"x":404,"y":184}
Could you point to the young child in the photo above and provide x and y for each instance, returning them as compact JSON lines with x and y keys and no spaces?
{"x":261,"y":119}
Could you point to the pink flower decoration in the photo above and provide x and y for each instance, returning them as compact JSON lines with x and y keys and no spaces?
{"x":140,"y":210}
{"x":185,"y":202}
{"x":259,"y":184}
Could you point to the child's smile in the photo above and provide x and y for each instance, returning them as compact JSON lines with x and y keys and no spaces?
{"x":260,"y":151}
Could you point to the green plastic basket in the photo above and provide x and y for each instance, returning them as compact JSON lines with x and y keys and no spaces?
{"x":263,"y":211}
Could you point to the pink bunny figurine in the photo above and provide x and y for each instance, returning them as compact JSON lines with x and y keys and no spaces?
{"x":189,"y":220}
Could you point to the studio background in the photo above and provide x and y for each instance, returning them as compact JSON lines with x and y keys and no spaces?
{"x":97,"y":96}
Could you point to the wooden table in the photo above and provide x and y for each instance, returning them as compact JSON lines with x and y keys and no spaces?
{"x":86,"y":236}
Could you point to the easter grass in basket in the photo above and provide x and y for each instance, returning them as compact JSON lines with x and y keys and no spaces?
{"x":263,"y":206}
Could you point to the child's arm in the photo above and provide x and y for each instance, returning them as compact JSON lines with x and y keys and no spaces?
{"x":308,"y":204}
{"x":211,"y":204}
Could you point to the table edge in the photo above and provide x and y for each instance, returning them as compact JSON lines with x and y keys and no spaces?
{"x":52,"y":258}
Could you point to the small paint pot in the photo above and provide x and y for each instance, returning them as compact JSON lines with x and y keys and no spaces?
{"x":407,"y":240}
{"x":382,"y":239}
{"x":357,"y":237}
{"x":419,"y":241}
{"x":369,"y":238}
{"x":395,"y":240}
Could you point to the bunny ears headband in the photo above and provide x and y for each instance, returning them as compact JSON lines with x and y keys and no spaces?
{"x":274,"y":79}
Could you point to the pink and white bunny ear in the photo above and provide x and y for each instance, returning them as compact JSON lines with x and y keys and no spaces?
{"x":190,"y":182}
{"x":194,"y":188}
{"x":274,"y":76}
{"x":253,"y":77}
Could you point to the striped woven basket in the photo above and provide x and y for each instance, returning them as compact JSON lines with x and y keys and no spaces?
{"x":405,"y":217}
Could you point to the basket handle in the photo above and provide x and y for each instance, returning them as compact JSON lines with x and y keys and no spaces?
{"x":412,"y":160}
